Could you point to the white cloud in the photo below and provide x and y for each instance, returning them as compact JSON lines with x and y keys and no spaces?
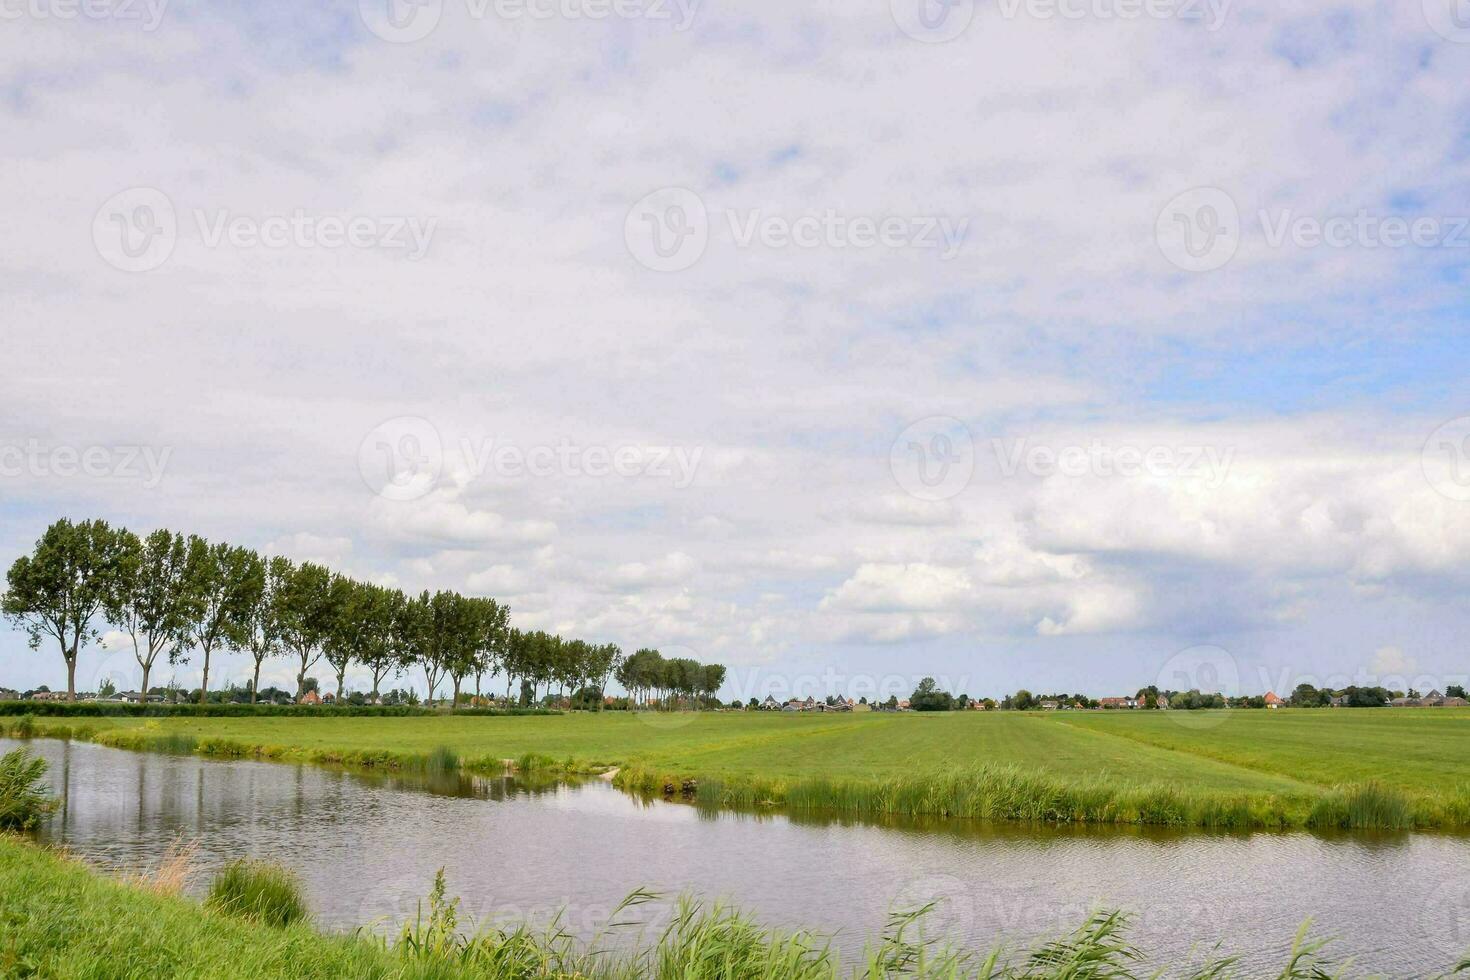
{"x":304,"y":546}
{"x":787,"y":372}
{"x":672,"y":569}
{"x":498,"y":580}
{"x":1393,"y":661}
{"x":900,"y":509}
{"x":443,"y":520}
{"x":885,"y":588}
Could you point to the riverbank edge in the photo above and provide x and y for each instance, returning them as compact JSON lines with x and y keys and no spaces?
{"x":989,"y":792}
{"x":1008,"y":793}
{"x":375,"y":760}
{"x":65,"y":918}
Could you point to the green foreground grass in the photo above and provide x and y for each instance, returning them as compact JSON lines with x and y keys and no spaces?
{"x":1354,"y":768}
{"x":59,"y":919}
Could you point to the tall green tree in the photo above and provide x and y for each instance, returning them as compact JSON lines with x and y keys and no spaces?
{"x":437,"y":612}
{"x":642,"y":674}
{"x":607,"y":659}
{"x":303,"y":614}
{"x":254,"y":629}
{"x":572,"y":665}
{"x":493,"y":623}
{"x":683,"y":677}
{"x":544,"y":650}
{"x":713,"y":678}
{"x":349,"y":624}
{"x":382,"y":651}
{"x":216,"y":583}
{"x":61,"y":588}
{"x":463,"y":642}
{"x":151,"y":601}
{"x":624,"y":673}
{"x":513,"y":658}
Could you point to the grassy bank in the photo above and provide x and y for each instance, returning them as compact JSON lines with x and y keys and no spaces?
{"x":152,"y":737}
{"x":58,"y":919}
{"x":1011,"y":793}
{"x":1363,"y":769}
{"x":62,"y":920}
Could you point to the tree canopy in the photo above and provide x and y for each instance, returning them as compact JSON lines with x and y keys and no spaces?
{"x":175,"y":595}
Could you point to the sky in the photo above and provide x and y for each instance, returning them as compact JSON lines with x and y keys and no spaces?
{"x":1061,"y":344}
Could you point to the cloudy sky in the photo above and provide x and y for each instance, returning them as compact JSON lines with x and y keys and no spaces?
{"x":1070,"y":344}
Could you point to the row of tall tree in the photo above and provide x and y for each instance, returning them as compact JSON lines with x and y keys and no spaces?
{"x":648,"y":674}
{"x":174,"y":596}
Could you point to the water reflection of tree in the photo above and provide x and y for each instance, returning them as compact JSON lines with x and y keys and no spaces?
{"x":462,"y":785}
{"x":1036,"y":834}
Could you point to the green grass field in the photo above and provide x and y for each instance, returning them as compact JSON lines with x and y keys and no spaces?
{"x":57,"y":919}
{"x":1293,"y":755}
{"x":1413,"y":749}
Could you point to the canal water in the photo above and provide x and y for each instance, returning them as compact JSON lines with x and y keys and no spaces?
{"x":367,"y":848}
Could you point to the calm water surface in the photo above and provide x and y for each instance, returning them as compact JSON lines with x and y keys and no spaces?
{"x":367,"y":849}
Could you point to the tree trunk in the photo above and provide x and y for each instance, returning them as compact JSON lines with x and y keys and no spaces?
{"x":340,"y":678}
{"x":71,"y":678}
{"x":147,"y":669}
{"x":255,"y":684}
{"x":455,"y":703}
{"x":204,"y":682}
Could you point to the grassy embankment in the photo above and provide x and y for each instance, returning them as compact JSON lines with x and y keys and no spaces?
{"x":1355,"y":768}
{"x":59,"y":919}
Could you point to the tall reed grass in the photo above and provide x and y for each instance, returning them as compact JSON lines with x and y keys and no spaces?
{"x":258,"y":891}
{"x":440,"y":761}
{"x":1370,"y":806}
{"x":24,"y":797}
{"x":1009,"y":793}
{"x":716,"y":941}
{"x":174,"y":870}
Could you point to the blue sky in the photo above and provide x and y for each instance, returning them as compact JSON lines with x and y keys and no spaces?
{"x":655,"y":237}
